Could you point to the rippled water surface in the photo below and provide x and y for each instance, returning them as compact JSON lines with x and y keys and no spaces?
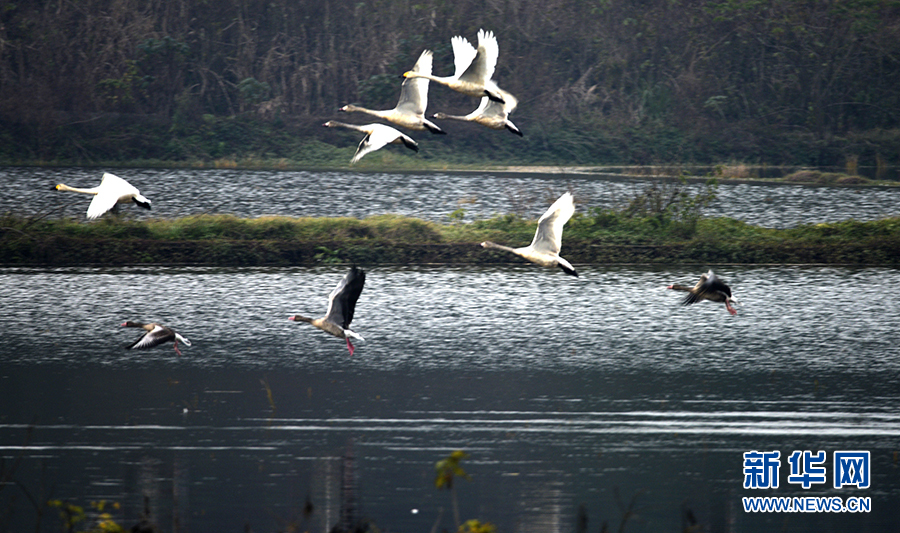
{"x":595,"y":393}
{"x":431,"y":195}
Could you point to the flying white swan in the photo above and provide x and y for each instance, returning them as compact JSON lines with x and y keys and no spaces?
{"x":544,"y":249}
{"x":341,"y":304}
{"x":492,"y":114}
{"x":410,"y":109}
{"x":377,"y":136}
{"x":112,"y":190}
{"x":474,"y":68}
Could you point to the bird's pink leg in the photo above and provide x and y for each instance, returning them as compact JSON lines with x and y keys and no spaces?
{"x":350,"y":346}
{"x":176,"y":348}
{"x":730,"y":308}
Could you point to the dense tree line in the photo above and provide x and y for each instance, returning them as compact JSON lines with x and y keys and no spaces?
{"x":725,"y":73}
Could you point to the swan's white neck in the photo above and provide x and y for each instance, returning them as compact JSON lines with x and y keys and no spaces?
{"x":63,"y":187}
{"x":431,"y":77}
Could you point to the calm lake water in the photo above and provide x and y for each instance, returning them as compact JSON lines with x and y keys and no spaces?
{"x":600,"y":393}
{"x":430,"y":196}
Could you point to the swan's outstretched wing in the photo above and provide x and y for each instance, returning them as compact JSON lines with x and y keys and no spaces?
{"x":548,"y":237}
{"x":414,"y":91}
{"x":491,"y":109}
{"x":111,"y":188}
{"x":463,"y":55}
{"x":379,"y":136}
{"x":376,"y":139}
{"x":342,"y":300}
{"x":366,"y":145}
{"x":101,"y":203}
{"x":481,"y":68}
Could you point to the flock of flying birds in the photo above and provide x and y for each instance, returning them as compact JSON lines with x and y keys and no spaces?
{"x":474,"y":69}
{"x":543,"y":250}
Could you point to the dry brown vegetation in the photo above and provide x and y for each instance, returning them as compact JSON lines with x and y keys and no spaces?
{"x":630,"y":82}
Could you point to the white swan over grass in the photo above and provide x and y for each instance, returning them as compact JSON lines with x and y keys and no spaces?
{"x":410,"y":109}
{"x":473,"y":68}
{"x":492,"y":114}
{"x":112,"y":191}
{"x":377,"y":136}
{"x":544,"y":248}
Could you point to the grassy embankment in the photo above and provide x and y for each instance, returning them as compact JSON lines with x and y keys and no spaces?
{"x":661,"y":225}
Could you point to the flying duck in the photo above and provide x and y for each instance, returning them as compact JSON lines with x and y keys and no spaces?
{"x":156,"y":334}
{"x":710,"y":287}
{"x":341,"y":304}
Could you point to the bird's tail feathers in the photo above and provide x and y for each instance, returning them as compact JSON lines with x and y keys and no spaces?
{"x":567,"y":267}
{"x":141,"y":201}
{"x":183,"y":339}
{"x":355,"y":335}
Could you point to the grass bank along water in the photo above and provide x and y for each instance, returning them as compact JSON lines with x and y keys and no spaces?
{"x":594,"y":237}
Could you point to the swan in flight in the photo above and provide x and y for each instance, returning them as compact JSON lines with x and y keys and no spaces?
{"x":474,"y":68}
{"x":492,"y":114}
{"x":710,"y":287}
{"x":410,"y":110}
{"x":544,"y":249}
{"x":377,"y":136}
{"x":112,"y":191}
{"x":341,"y":304}
{"x":156,"y":334}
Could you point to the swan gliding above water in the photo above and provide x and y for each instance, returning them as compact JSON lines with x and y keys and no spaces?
{"x":112,"y":191}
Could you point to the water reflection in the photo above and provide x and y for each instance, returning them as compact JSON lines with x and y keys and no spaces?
{"x":247,"y":193}
{"x":568,"y":393}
